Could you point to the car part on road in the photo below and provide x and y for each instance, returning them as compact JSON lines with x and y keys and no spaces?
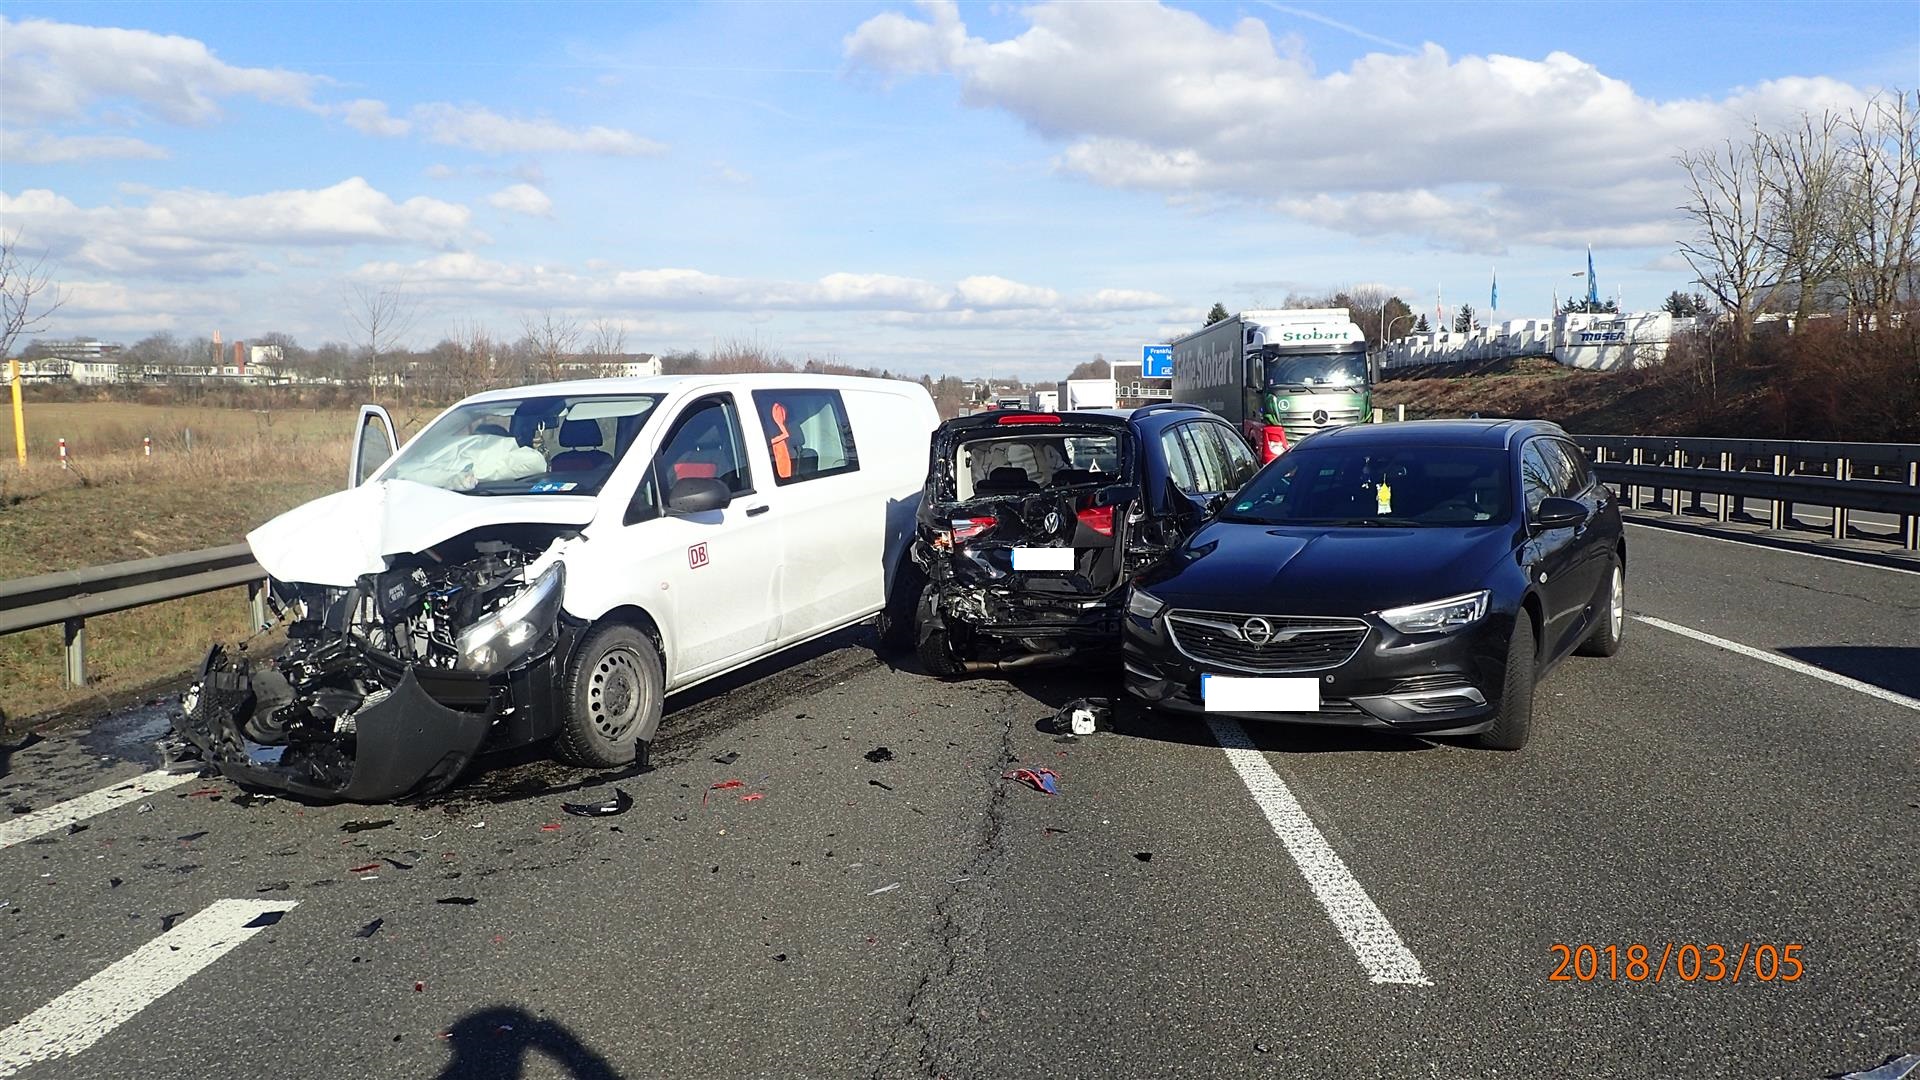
{"x":1042,"y":780}
{"x":878,"y":754}
{"x":1083,"y":716}
{"x":619,"y":804}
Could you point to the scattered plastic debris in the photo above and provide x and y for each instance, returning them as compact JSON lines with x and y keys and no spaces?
{"x":879,"y":754}
{"x":881,"y":786}
{"x":1084,"y":716}
{"x":551,"y":826}
{"x":114,"y":883}
{"x":365,"y":825}
{"x":1143,"y":856}
{"x":619,"y":804}
{"x":884,"y":888}
{"x":727,"y":758}
{"x":753,"y":797}
{"x":77,"y":827}
{"x":418,"y":987}
{"x":1262,"y":1048}
{"x":167,"y":921}
{"x":1055,"y":830}
{"x":475,"y":825}
{"x":779,"y":958}
{"x":458,"y":901}
{"x":364,"y":869}
{"x":192,"y":836}
{"x":145,"y":808}
{"x":370,"y":929}
{"x":1900,"y":1068}
{"x":724,"y":785}
{"x":1045,"y":780}
{"x":251,"y":799}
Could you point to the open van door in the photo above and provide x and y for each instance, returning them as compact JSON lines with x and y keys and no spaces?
{"x":373,"y":444}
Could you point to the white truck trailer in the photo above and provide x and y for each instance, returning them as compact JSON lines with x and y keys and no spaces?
{"x":1087,"y":394}
{"x":1279,"y":375}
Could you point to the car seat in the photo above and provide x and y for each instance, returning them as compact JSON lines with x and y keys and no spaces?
{"x":1006,"y":480}
{"x":582,"y":440}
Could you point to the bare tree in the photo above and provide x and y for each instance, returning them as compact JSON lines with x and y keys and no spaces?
{"x":28,"y":295}
{"x":383,"y":316}
{"x":607,"y":338}
{"x":469,"y":362}
{"x":736,"y":355}
{"x":1728,"y":200}
{"x":1882,"y":202}
{"x":1802,"y":177}
{"x":554,"y":339}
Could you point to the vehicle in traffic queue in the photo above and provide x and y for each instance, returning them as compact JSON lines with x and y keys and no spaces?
{"x":1031,"y":524}
{"x":1417,"y":577}
{"x":549,"y":562}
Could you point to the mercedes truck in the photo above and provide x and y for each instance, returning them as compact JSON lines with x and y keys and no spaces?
{"x":1278,"y":375}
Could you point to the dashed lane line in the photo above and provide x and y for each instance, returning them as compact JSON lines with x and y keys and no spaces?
{"x":58,"y":816}
{"x":85,"y":1014}
{"x":1777,"y":660}
{"x":1358,"y":919}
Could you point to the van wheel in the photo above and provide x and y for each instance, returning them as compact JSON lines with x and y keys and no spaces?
{"x":1514,"y":721}
{"x":613,"y":696}
{"x":932,"y":643}
{"x":1605,"y":638}
{"x":897,"y":618}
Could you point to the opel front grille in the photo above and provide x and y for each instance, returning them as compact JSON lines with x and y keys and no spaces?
{"x":1265,"y":644}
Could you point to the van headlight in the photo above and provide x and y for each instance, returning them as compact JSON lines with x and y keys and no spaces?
{"x":505,"y":637}
{"x":1144,"y":605}
{"x":1448,"y":614}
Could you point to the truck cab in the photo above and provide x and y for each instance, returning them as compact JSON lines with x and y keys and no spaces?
{"x":1279,"y":375}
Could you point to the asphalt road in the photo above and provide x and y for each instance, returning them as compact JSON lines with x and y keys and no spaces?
{"x":1319,"y":905}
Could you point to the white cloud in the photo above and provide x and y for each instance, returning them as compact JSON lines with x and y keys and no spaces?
{"x":189,"y":232}
{"x":478,"y":128}
{"x":40,"y":148}
{"x":1474,"y":152}
{"x":1122,"y":300}
{"x":522,"y":199}
{"x":370,"y":117}
{"x":997,"y":292}
{"x":54,"y":70}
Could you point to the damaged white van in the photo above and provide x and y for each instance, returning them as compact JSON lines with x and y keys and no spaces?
{"x":549,"y":562}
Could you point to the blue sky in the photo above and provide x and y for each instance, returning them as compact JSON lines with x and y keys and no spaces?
{"x":987,"y":189}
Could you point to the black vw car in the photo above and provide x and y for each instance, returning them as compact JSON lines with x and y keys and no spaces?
{"x":1032,"y":523}
{"x":1415,"y":576}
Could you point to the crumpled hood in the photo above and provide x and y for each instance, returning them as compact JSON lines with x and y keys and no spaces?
{"x":1232,"y":566}
{"x":335,"y":539}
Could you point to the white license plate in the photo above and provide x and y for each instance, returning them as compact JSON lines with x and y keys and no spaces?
{"x":1060,"y":558}
{"x":1231,"y":693}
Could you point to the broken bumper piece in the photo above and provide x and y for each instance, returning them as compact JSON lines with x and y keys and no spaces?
{"x":401,"y":744}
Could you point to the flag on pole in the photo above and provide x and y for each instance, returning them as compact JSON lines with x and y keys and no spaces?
{"x":1493,"y":295}
{"x":1593,"y":291}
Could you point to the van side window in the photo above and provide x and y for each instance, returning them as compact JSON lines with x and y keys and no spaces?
{"x":808,"y":434}
{"x":705,"y":443}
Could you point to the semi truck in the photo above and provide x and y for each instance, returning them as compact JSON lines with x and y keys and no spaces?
{"x":1043,"y":400}
{"x":1087,"y":394}
{"x":1278,"y":375}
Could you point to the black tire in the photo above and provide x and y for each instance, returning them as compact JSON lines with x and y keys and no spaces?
{"x":932,"y":643}
{"x":898,"y":617}
{"x":613,"y":693}
{"x":1606,"y":635}
{"x":1514,"y":720}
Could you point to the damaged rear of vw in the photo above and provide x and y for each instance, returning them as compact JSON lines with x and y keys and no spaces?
{"x":1030,"y":525}
{"x":422,"y":606}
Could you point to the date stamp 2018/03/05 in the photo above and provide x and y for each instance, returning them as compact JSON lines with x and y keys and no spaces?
{"x":1709,"y":962}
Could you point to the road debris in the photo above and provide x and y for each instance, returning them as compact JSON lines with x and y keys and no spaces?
{"x":1900,"y":1068}
{"x":551,"y":826}
{"x":724,"y":785}
{"x":458,"y":901}
{"x":365,"y":825}
{"x":753,"y":797}
{"x":1143,"y":856}
{"x":1084,"y":716}
{"x":884,"y":888}
{"x":879,"y":754}
{"x":727,"y":758}
{"x":145,"y":808}
{"x":370,"y":929}
{"x":251,"y":799}
{"x":77,"y":827}
{"x":619,"y":804}
{"x":1045,"y":780}
{"x":881,"y":786}
{"x":364,"y":869}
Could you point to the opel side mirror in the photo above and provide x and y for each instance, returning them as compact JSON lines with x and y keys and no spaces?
{"x":1559,"y":513}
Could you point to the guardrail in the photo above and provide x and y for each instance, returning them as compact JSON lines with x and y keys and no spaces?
{"x":1844,"y":477}
{"x":68,"y":598}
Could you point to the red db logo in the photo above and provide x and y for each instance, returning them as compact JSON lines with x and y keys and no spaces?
{"x":696,"y":556}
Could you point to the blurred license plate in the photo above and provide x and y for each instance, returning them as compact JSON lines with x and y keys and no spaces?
{"x":1229,"y":693}
{"x":1060,"y":558}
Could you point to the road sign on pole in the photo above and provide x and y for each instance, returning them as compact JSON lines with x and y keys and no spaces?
{"x":1156,"y":361}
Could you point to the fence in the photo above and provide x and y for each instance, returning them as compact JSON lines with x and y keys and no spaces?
{"x":69,"y":598}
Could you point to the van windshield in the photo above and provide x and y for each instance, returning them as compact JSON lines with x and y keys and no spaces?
{"x":525,"y":446}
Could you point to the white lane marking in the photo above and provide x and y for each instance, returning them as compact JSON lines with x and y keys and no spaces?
{"x":1367,"y":931}
{"x":83,"y":1015}
{"x":60,"y":815}
{"x":1750,"y":545}
{"x":1777,"y":660}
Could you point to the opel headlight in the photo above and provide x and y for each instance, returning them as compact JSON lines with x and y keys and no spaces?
{"x":1448,"y":614}
{"x":504,"y":638}
{"x":1144,"y":605}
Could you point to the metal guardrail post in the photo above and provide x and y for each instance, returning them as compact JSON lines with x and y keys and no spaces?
{"x":257,"y":603}
{"x":74,"y":634}
{"x":1782,"y":512}
{"x":1910,"y":525}
{"x":1633,"y":490}
{"x":1842,"y":470}
{"x":1400,"y":412}
{"x":1379,"y":416}
{"x":1677,"y":460}
{"x":1726,"y":465}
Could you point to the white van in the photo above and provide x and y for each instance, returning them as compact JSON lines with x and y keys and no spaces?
{"x":551,"y":561}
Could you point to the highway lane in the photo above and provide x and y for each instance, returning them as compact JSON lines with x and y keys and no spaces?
{"x":1679,"y":792}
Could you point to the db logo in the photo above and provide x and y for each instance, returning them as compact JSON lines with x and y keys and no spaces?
{"x":696,"y":556}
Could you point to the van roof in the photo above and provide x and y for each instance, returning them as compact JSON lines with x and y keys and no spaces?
{"x":667,"y":384}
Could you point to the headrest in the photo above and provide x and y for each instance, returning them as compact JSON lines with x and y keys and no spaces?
{"x":579,"y":434}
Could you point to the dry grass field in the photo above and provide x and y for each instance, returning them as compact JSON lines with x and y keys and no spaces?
{"x":114,"y":503}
